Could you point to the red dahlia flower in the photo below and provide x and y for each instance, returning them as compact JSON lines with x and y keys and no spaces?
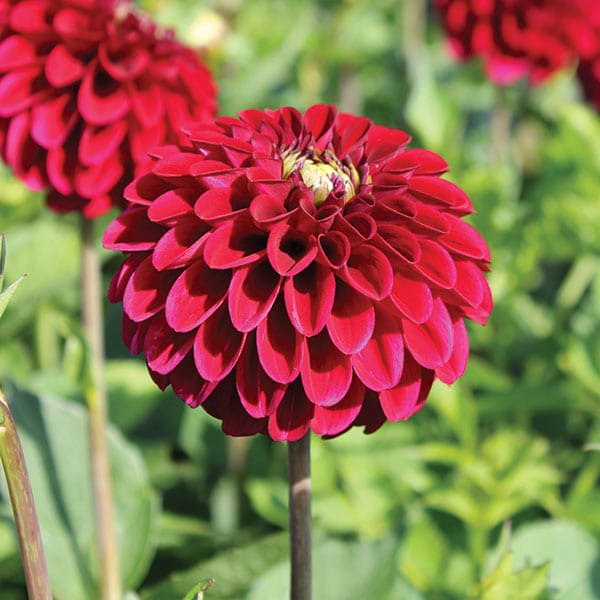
{"x":86,"y":88}
{"x":292,"y":272}
{"x":520,"y":38}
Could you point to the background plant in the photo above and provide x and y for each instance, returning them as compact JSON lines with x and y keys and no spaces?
{"x":420,"y":510}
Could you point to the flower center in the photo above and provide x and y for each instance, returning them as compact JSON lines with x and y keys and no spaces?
{"x":324,"y":173}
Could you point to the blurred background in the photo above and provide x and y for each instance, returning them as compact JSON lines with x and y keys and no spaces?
{"x":490,"y":492}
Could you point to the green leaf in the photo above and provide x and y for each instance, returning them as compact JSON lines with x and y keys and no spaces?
{"x":197,"y":592}
{"x":233,"y":571}
{"x":573,"y":553}
{"x":54,"y":434}
{"x":348,"y":570}
{"x":8,"y":293}
{"x":527,"y":584}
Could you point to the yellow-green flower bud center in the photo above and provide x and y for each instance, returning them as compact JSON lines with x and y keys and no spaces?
{"x":323,"y":173}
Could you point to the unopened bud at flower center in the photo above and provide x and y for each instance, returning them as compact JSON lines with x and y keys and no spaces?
{"x":324,"y":174}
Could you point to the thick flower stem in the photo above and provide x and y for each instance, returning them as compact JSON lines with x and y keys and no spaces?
{"x":21,"y":497}
{"x":95,"y":393}
{"x":300,"y":518}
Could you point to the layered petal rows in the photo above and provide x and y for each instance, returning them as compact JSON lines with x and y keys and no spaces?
{"x":293,"y":272}
{"x":86,"y":88}
{"x":522,"y":38}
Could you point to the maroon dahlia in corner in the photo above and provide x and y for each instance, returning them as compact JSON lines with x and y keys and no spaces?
{"x":292,"y":272}
{"x":86,"y":87}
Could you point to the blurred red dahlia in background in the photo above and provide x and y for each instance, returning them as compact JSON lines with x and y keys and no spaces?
{"x":521,"y":38}
{"x":86,"y":88}
{"x":292,"y":272}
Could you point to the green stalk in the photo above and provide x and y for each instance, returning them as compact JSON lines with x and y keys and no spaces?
{"x":95,"y":394}
{"x":21,"y":498}
{"x":300,"y":492}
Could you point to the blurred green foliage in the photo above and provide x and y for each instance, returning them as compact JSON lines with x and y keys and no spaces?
{"x":491,"y":492}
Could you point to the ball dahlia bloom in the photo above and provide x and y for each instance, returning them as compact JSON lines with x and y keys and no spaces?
{"x":293,"y":271}
{"x":86,"y":88}
{"x":520,"y":38}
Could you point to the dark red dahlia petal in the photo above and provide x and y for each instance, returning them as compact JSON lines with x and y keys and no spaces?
{"x":143,"y":140}
{"x":267,"y":182}
{"x":318,"y":121}
{"x":470,"y":282}
{"x":384,"y":143}
{"x":60,"y":167}
{"x":252,"y":292}
{"x":333,"y":420}
{"x":217,"y":346}
{"x":220,"y":204}
{"x":431,"y":220}
{"x":357,"y":227}
{"x":400,"y":402}
{"x":180,"y":244}
{"x":235,"y":243}
{"x":30,"y":16}
{"x":21,"y":89}
{"x":116,"y":289}
{"x":99,"y":179}
{"x":412,"y":298}
{"x":457,"y":363}
{"x":97,"y":205}
{"x":291,"y":420}
{"x":16,"y":52}
{"x":279,"y":345}
{"x":440,"y":192}
{"x":147,"y":102}
{"x":421,"y":161}
{"x":267,"y":210}
{"x":482,"y":312}
{"x":352,"y":132}
{"x":309,"y":298}
{"x":259,"y":394}
{"x":224,"y":404}
{"x":52,"y":121}
{"x":97,"y":144}
{"x":124,"y":63}
{"x":62,"y":68}
{"x":326,"y":372}
{"x":369,"y":271}
{"x":146,"y":291}
{"x":393,"y":206}
{"x":431,"y":342}
{"x":398,"y":243}
{"x":371,"y":416}
{"x":334,"y":249}
{"x":352,"y":319}
{"x":133,"y":334}
{"x":145,"y":188}
{"x":80,"y":25}
{"x":101,"y":100}
{"x":132,"y":232}
{"x":162,"y":381}
{"x":23,"y":154}
{"x":176,"y":167}
{"x":172,"y":205}
{"x":388,"y":181}
{"x":195,"y":295}
{"x":463,"y":239}
{"x":379,"y":364}
{"x":215,"y":174}
{"x":188,"y":385}
{"x":436,"y":265}
{"x":289,"y":251}
{"x":164,"y":348}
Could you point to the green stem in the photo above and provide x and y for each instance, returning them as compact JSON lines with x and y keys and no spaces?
{"x":300,"y":518}
{"x":21,"y":498}
{"x":92,"y":321}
